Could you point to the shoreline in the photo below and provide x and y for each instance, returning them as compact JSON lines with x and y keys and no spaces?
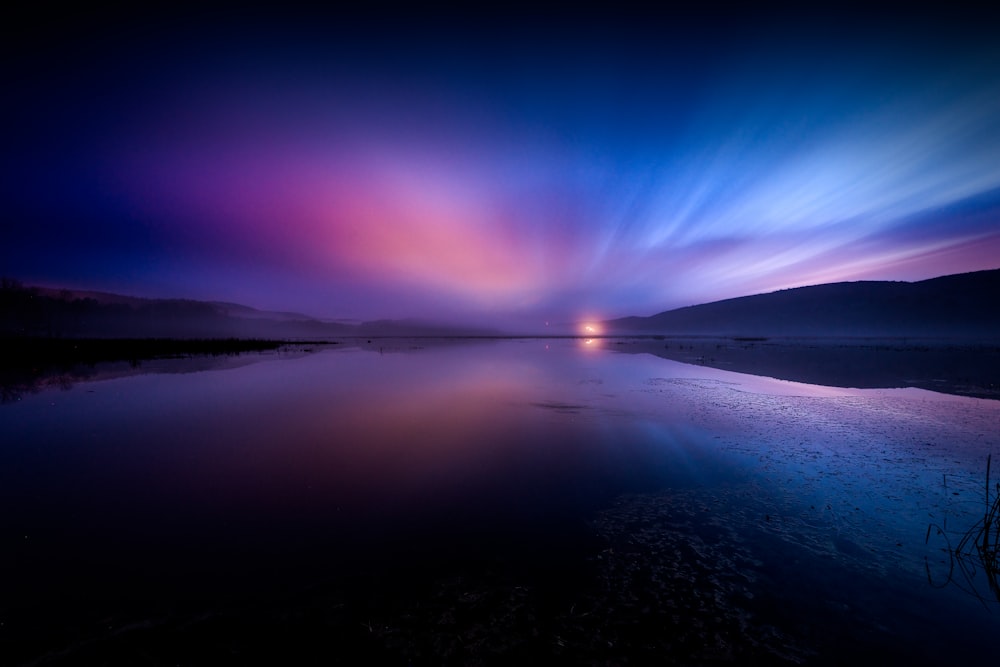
{"x":960,"y":366}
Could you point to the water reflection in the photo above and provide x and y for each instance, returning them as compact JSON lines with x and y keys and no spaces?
{"x":949,"y":366}
{"x":548,"y":497}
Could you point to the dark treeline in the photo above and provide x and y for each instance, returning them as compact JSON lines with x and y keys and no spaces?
{"x":59,"y":337}
{"x":31,"y":312}
{"x":28,"y":312}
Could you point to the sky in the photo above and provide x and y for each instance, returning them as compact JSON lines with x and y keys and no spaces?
{"x":510,"y":170}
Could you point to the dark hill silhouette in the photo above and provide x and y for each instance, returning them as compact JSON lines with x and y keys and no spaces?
{"x":962,"y":305}
{"x":38,"y":312}
{"x":45,"y":313}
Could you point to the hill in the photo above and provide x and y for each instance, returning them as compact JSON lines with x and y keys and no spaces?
{"x":38,"y":312}
{"x":962,"y":305}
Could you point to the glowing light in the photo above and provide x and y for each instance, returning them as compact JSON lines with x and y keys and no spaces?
{"x":310,"y":185}
{"x":590,"y":344}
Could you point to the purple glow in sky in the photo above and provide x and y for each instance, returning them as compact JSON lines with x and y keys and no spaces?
{"x":499,"y":171}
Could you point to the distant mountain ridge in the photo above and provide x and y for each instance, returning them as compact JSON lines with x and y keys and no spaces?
{"x":59,"y":313}
{"x":960,"y":305}
{"x":963,"y":305}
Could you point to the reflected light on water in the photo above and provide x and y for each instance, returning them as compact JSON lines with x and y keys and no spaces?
{"x":589,"y":332}
{"x":487,"y":463}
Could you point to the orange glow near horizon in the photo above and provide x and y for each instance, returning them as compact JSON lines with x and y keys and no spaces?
{"x":590,"y":344}
{"x":589,"y":328}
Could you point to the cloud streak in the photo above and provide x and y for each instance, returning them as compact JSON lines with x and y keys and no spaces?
{"x":349,"y":186}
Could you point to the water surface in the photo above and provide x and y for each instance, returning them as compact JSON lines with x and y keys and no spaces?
{"x":484,"y":502}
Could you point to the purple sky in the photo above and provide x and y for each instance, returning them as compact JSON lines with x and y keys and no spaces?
{"x":501,"y":170}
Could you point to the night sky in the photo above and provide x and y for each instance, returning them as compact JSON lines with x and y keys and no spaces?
{"x":498,"y":169}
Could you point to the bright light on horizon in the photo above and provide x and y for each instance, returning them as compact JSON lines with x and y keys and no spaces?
{"x":385,"y":183}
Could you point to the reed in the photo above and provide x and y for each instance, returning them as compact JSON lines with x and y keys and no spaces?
{"x":979,"y":548}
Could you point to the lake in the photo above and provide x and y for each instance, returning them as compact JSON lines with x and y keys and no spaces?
{"x":488,"y":501}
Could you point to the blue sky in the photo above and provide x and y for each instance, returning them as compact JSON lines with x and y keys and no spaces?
{"x":505,"y":169}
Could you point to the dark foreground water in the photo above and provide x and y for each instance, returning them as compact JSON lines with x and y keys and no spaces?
{"x":485,"y":503}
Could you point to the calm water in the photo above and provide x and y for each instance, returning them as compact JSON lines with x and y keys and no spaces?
{"x":480,"y":503}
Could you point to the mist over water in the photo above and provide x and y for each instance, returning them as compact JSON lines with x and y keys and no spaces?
{"x":486,"y":500}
